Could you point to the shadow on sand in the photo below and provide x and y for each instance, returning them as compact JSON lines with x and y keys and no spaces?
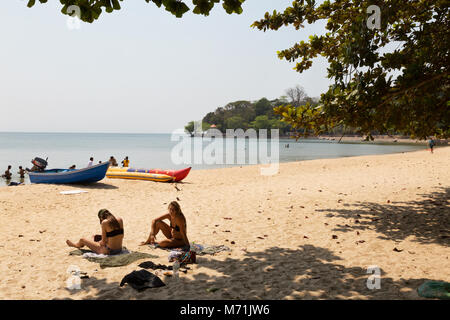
{"x":308,"y":272}
{"x":428,"y":220}
{"x":97,"y":185}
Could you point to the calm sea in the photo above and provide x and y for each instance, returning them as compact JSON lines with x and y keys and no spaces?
{"x":152,"y":150}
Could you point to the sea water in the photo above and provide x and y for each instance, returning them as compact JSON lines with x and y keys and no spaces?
{"x":154,"y":150}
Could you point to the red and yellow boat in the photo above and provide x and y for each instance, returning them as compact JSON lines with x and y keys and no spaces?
{"x":148,"y":174}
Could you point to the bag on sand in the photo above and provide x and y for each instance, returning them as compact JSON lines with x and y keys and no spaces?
{"x":434,"y":289}
{"x":188,"y":257}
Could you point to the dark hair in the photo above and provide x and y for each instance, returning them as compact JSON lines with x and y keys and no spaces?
{"x":9,"y":167}
{"x":104,"y":214}
{"x":91,"y":159}
{"x":20,"y":167}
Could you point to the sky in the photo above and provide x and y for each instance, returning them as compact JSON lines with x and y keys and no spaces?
{"x":140,"y":69}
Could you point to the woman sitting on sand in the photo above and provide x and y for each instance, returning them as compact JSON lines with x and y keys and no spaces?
{"x":110,"y":242}
{"x":175,"y":233}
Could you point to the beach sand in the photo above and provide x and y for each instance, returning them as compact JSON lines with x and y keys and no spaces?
{"x":308,"y":232}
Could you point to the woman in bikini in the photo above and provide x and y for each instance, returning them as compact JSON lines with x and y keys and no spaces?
{"x":175,"y":232}
{"x":110,"y":242}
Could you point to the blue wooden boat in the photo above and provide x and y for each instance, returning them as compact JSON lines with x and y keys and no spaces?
{"x":66,"y":176}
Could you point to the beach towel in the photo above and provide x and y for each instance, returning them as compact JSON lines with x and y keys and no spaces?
{"x":188,"y":254}
{"x":198,"y":248}
{"x":156,"y":246}
{"x":141,"y":280}
{"x":434,"y":289}
{"x":73,"y":192}
{"x":213,"y":249}
{"x":109,"y":261}
{"x":94,"y":255}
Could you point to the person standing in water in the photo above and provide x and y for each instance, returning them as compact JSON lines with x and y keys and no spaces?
{"x":21,"y":172}
{"x":7,"y":174}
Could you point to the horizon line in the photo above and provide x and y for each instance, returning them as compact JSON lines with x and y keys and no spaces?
{"x":94,"y":132}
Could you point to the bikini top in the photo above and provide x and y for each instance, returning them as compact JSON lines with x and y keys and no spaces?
{"x":177,"y":228}
{"x":114,"y":233}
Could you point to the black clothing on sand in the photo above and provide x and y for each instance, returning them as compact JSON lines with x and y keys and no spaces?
{"x":141,"y":280}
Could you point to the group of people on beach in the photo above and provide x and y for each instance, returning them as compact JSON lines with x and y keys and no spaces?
{"x":112,"y":162}
{"x":8,"y":175}
{"x":112,"y":232}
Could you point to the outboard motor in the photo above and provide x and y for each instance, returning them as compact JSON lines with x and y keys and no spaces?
{"x":40,"y":163}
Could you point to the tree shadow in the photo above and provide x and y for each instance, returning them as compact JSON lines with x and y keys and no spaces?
{"x":308,"y":272}
{"x":428,"y":220}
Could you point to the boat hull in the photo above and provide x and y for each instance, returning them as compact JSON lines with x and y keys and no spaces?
{"x":139,"y":176}
{"x":177,"y":175}
{"x":68,"y":176}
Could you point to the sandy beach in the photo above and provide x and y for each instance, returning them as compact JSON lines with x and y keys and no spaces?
{"x":309,"y":232}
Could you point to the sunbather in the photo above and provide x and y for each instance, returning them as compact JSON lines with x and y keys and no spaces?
{"x":111,"y":238}
{"x":175,"y":232}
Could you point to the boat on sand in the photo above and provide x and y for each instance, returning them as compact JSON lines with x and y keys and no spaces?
{"x":148,"y":174}
{"x":66,"y":176}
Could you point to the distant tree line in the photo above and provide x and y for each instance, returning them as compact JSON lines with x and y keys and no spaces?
{"x":257,"y":115}
{"x":262,"y":114}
